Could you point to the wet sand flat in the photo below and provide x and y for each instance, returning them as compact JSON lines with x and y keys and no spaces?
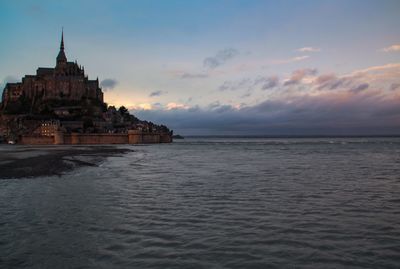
{"x":35,"y":161}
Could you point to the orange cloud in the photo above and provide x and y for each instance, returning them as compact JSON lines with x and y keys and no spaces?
{"x":392,"y":48}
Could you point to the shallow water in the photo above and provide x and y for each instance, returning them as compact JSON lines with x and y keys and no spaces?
{"x":213,"y":203}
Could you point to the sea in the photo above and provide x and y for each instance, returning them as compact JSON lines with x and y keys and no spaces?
{"x":213,"y":202}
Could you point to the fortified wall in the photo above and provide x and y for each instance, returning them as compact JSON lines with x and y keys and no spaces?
{"x":132,"y":137}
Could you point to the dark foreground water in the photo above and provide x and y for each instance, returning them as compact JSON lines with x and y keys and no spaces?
{"x":213,"y":203}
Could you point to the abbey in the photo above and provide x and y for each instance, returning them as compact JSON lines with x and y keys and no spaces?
{"x":66,"y":81}
{"x":61,"y":105}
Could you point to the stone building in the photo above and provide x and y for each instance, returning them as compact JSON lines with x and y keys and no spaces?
{"x":48,"y":128}
{"x":66,"y":81}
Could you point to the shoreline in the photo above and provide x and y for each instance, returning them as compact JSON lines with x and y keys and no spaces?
{"x":18,"y":162}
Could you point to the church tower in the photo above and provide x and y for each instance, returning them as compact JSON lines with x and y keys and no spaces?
{"x":61,"y":58}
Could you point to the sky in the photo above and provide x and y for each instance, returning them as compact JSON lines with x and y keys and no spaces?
{"x":324,"y":67}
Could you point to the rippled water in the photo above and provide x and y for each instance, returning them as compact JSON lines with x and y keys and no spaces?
{"x":213,"y":203}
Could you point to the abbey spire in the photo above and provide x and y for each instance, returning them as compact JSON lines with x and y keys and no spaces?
{"x":62,"y":40}
{"x":61,"y":58}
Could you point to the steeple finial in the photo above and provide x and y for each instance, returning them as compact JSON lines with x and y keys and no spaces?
{"x":62,"y":39}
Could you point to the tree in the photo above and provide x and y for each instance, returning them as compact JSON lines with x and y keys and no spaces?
{"x":123,"y":111}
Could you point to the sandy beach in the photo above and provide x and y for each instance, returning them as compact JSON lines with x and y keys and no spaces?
{"x":36,"y":161}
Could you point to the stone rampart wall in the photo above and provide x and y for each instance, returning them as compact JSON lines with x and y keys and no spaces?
{"x":95,"y":139}
{"x":37,"y":140}
{"x":133,"y":137}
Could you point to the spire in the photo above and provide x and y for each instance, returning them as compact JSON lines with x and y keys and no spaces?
{"x":62,"y":39}
{"x":61,"y":58}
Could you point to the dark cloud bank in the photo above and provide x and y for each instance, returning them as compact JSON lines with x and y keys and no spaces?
{"x":359,"y":115}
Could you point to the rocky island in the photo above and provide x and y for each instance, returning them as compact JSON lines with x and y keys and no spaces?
{"x":61,"y":105}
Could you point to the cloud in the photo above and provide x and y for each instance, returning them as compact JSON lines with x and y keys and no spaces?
{"x":220,"y":58}
{"x":325,"y":78}
{"x":377,"y":68}
{"x":108,"y":84}
{"x":329,"y":81}
{"x":360,"y":88}
{"x":291,"y":60}
{"x":157,"y":93}
{"x":227,"y":85}
{"x":214,"y":105}
{"x":174,"y":106}
{"x":193,"y":75}
{"x":300,"y":74}
{"x":157,"y":106}
{"x":244,"y":83}
{"x":267,"y":82}
{"x":392,"y":48}
{"x":145,"y":106}
{"x":375,"y":77}
{"x":308,"y":49}
{"x":249,"y":84}
{"x":394,"y":86}
{"x":247,"y":94}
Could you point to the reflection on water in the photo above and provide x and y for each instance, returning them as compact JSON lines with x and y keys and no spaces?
{"x":213,"y":203}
